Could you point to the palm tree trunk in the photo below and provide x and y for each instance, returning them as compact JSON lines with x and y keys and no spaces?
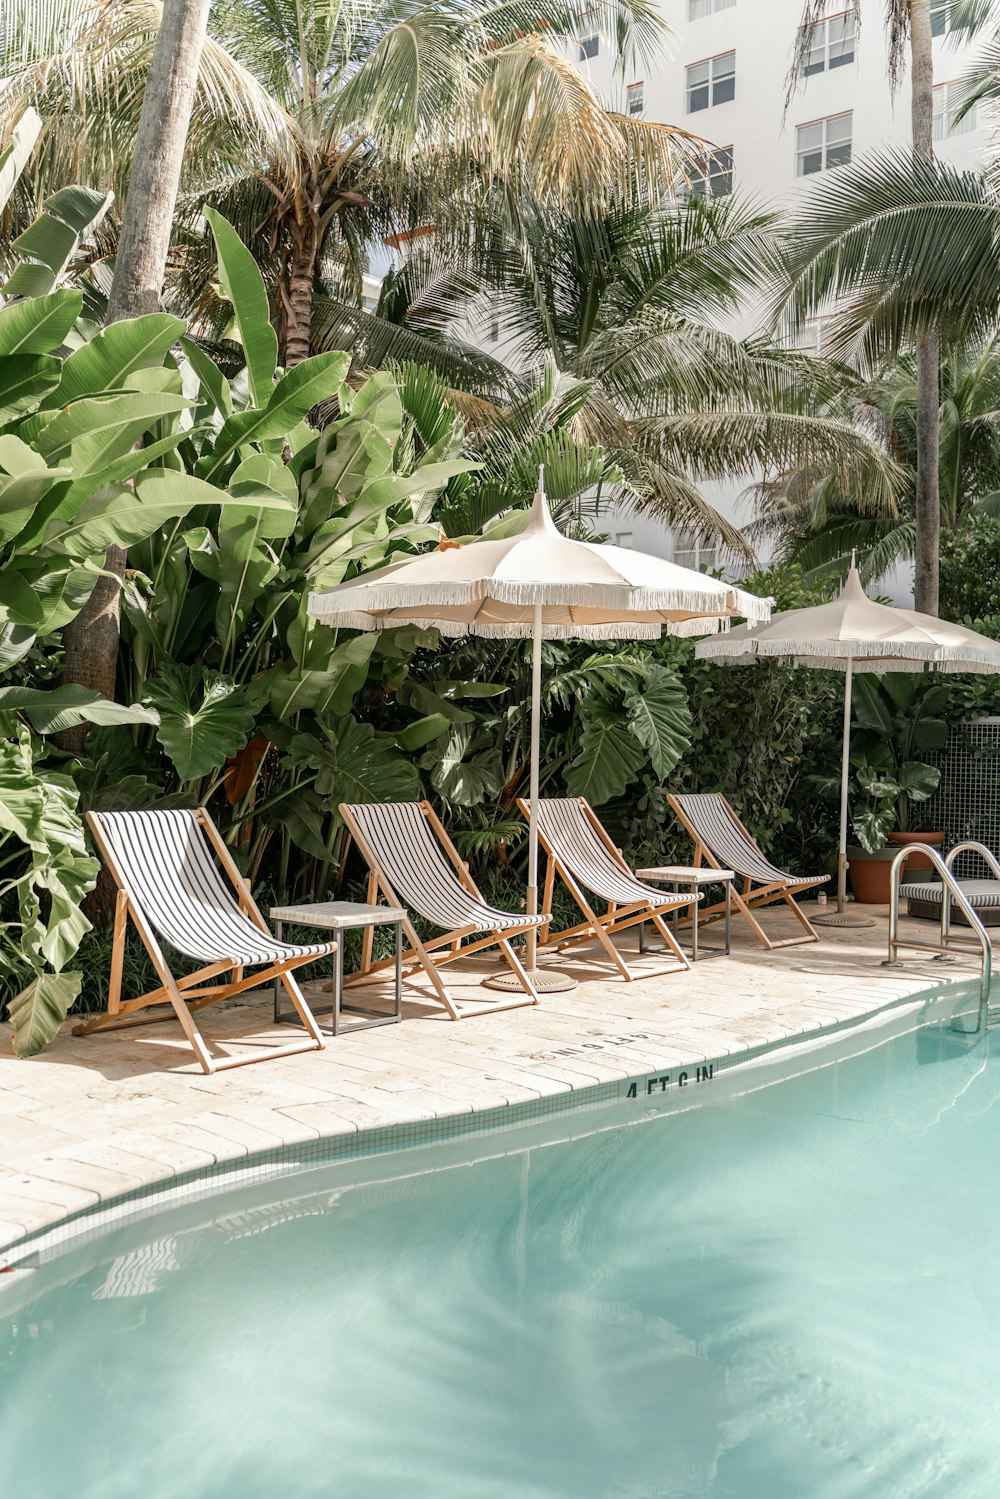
{"x":928,"y":413}
{"x":297,"y":297}
{"x":91,"y":640}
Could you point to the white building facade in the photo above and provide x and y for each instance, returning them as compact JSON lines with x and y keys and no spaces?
{"x":725,"y":78}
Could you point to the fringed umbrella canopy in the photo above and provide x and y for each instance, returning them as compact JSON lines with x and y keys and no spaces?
{"x":851,"y":633}
{"x":586,"y":591}
{"x":543,"y":584}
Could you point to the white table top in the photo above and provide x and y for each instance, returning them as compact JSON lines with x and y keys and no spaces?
{"x":338,"y":915}
{"x":686,"y":874}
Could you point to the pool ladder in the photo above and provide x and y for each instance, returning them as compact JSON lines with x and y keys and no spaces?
{"x":952,"y":892}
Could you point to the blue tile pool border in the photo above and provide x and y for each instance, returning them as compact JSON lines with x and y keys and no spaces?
{"x":651,"y":1086}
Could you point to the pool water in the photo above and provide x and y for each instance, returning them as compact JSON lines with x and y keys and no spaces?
{"x":790,"y":1294}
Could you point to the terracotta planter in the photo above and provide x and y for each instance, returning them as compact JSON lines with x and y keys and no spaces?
{"x":870,"y":873}
{"x":918,"y":861}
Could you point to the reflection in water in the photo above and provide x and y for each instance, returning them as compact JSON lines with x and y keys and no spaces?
{"x":758,"y":1299}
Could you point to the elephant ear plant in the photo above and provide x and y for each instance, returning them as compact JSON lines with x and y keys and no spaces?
{"x":899,"y":717}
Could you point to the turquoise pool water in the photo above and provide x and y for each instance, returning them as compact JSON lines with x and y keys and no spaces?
{"x":791,"y":1294}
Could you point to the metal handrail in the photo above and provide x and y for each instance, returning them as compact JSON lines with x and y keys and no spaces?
{"x":969,"y":847}
{"x":952,"y":891}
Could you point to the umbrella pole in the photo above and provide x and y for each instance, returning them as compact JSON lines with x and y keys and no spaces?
{"x":843,"y":917}
{"x":536,"y":714}
{"x":544,"y":980}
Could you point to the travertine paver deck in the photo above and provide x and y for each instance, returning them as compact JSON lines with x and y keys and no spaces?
{"x":98,"y":1116}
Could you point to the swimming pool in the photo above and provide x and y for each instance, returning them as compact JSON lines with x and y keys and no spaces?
{"x":789,"y":1292}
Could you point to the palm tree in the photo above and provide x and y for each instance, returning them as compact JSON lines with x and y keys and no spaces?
{"x":323,"y":125}
{"x":628,"y":305}
{"x":908,"y":30}
{"x":817,"y":522}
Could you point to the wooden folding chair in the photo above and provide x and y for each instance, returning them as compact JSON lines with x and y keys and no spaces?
{"x":170,"y":886}
{"x":580,"y":851}
{"x":413,"y":863}
{"x":724,"y":843}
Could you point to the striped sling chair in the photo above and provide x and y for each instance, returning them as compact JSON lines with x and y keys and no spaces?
{"x":170,"y":886}
{"x":580,"y":851}
{"x":721,"y":840}
{"x":414,"y":863}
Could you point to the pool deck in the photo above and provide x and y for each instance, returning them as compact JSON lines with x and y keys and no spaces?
{"x":93,"y":1118}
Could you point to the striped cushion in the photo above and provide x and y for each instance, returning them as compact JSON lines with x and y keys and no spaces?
{"x":171,"y":876}
{"x":566,"y":828}
{"x":715,"y":826}
{"x":979,"y":893}
{"x":408,"y":852}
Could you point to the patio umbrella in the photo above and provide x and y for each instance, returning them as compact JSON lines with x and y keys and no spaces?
{"x":543,"y":584}
{"x":853,"y":632}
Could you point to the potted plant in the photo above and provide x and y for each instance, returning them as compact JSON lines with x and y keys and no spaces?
{"x":898,"y":718}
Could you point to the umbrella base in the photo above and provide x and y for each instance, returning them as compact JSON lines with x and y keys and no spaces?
{"x":544,"y":981}
{"x":841,"y":918}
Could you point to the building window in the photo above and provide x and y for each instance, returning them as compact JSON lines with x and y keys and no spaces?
{"x":711,"y":82}
{"x":823,"y":144}
{"x":623,"y":538}
{"x":633,"y":99}
{"x":943,"y":18}
{"x":698,"y":9}
{"x":948,"y":98}
{"x":691,"y":551}
{"x":589,"y":47}
{"x":814,"y":335}
{"x":711,"y":176}
{"x":831,"y":44}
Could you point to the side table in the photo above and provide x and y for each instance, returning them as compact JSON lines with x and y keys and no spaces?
{"x":691,"y":877}
{"x":343,"y":916}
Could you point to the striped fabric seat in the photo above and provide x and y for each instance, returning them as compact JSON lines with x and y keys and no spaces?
{"x":564,"y":824}
{"x":712,"y":818}
{"x":421,"y":874}
{"x":172,"y":877}
{"x":581,"y":853}
{"x":982,"y":894}
{"x":724,"y":843}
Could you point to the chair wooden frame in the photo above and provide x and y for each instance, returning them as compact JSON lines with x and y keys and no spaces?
{"x":426,"y":955}
{"x":181,"y":995}
{"x":755,"y":894}
{"x":618,"y":918}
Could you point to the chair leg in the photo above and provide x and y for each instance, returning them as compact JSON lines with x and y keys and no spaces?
{"x":117,"y":953}
{"x":517,"y":966}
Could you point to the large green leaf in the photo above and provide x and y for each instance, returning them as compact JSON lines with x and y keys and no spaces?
{"x":262,"y":509}
{"x":660,"y":718}
{"x":204,"y":718}
{"x":115,"y":353}
{"x":353,"y":765}
{"x":38,"y":806}
{"x":39,"y":1010}
{"x":289,"y":689}
{"x":465,"y":769}
{"x":918,"y":781}
{"x":243,"y":286}
{"x":98,"y":430}
{"x":295,"y":394}
{"x":24,"y":380}
{"x":609,"y":758}
{"x":56,"y":708}
{"x":38,"y":325}
{"x":49,"y":243}
{"x":17,"y":154}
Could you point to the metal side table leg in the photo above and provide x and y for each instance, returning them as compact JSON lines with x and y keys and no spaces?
{"x":399,"y":970}
{"x":694,"y":929}
{"x":729,"y":913}
{"x":338,"y":985}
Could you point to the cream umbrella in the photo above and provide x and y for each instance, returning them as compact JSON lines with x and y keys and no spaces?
{"x":851,"y":633}
{"x":543,"y":584}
